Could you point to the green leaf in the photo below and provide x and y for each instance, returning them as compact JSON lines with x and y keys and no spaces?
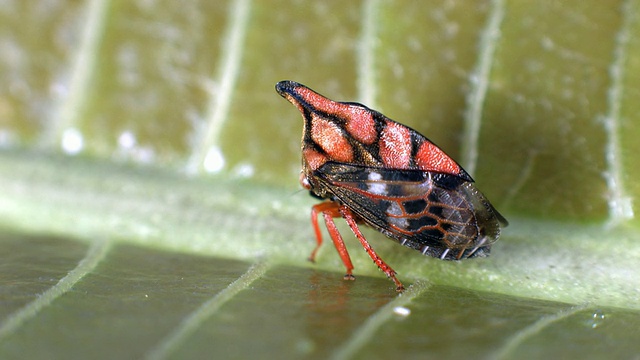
{"x":148,"y":174}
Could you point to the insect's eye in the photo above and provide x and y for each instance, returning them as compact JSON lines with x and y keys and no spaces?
{"x":304,"y":181}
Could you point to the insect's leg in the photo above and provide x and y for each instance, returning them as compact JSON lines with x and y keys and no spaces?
{"x":330,"y":210}
{"x":348,"y":216}
{"x":316,"y":210}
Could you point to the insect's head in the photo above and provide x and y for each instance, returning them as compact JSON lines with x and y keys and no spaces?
{"x":333,"y":131}
{"x":325,"y":125}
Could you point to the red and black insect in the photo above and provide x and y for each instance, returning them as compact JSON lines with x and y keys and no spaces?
{"x":373,"y":170}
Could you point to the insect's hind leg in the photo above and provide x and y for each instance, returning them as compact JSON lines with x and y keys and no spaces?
{"x":348,"y":216}
{"x":330,"y":210}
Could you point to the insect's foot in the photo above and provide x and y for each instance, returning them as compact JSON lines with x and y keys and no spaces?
{"x":399,"y":286}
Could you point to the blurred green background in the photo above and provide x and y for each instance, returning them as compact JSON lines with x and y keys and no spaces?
{"x":149,"y":198}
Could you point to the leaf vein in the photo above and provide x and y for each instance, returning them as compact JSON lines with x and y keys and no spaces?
{"x":479,"y":83}
{"x":96,"y":253}
{"x":366,"y":54}
{"x":620,"y":207}
{"x":365,"y":333}
{"x":528,"y":332}
{"x":228,"y":73}
{"x":194,"y":320}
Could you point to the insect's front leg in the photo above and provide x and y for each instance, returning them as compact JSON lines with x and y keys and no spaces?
{"x":330,"y":210}
{"x":348,"y":216}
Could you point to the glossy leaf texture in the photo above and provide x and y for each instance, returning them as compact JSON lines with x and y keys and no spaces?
{"x":149,"y":177}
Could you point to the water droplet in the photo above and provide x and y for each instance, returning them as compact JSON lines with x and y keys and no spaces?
{"x":127,"y":140}
{"x":401,"y":311}
{"x":597,"y":318}
{"x":244,"y":170}
{"x":72,"y":141}
{"x":214,"y":161}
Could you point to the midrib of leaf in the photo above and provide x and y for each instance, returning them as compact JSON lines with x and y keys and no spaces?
{"x":224,"y":218}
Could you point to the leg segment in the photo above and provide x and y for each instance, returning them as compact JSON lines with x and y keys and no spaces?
{"x":330,"y":210}
{"x":348,"y":216}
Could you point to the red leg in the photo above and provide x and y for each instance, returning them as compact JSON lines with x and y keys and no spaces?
{"x":330,"y":210}
{"x":348,"y":216}
{"x":315,"y":211}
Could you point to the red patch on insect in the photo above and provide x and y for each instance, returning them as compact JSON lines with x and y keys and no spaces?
{"x":429,"y":157}
{"x":395,"y":146}
{"x":373,"y":170}
{"x":358,"y":123}
{"x":313,"y":159}
{"x":331,"y":139}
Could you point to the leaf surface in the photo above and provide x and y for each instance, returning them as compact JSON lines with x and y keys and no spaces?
{"x":148,"y":178}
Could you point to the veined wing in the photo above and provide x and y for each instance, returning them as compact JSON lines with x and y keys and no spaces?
{"x":417,"y":208}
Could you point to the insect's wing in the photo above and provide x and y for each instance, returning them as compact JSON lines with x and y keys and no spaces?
{"x":422,"y":210}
